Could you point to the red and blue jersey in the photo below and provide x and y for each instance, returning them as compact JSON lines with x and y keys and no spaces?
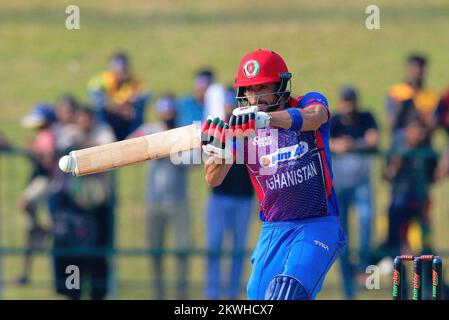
{"x":292,"y":170}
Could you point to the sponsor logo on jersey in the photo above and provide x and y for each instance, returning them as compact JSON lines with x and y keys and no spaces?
{"x":292,"y":177}
{"x":251,"y":68}
{"x":321,"y":244}
{"x":262,"y":141}
{"x":284,"y":154}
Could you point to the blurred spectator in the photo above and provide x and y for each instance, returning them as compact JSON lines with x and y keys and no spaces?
{"x":354,"y":136}
{"x":68,"y":136}
{"x":82,"y":212}
{"x":41,"y":153}
{"x":229,"y":205}
{"x":410,"y":192}
{"x":411,"y":99}
{"x":411,"y":169}
{"x":118,"y":98}
{"x":228,"y":213}
{"x":67,"y":133}
{"x":191,"y":107}
{"x":214,"y":100}
{"x":167,"y":203}
{"x":441,"y":120}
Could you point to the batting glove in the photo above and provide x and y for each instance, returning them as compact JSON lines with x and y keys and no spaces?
{"x":249,"y":117}
{"x":213,"y":138}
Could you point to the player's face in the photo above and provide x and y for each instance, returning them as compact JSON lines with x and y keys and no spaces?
{"x":262,"y":95}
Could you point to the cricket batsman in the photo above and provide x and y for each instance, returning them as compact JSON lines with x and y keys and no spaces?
{"x":291,"y":172}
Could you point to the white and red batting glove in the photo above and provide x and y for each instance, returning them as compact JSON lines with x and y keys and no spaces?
{"x":249,"y":117}
{"x":214,"y":134}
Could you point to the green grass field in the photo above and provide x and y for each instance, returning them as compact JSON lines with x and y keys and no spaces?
{"x":325,"y":44}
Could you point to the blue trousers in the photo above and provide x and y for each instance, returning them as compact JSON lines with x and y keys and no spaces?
{"x":360,"y":197}
{"x":302,"y":249}
{"x":226,"y":214}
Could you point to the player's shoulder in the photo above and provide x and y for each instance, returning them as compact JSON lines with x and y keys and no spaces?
{"x":312,"y":98}
{"x":401,"y":91}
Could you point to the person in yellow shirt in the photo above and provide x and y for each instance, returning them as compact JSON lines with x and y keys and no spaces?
{"x":411,"y":99}
{"x":118,"y":96}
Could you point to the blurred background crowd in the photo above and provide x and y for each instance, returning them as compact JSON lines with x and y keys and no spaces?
{"x":82,"y":209}
{"x":75,"y":220}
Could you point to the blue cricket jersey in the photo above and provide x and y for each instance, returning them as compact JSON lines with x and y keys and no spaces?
{"x":292,"y":171}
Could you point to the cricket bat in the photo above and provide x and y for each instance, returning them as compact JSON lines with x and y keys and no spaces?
{"x":126,"y":152}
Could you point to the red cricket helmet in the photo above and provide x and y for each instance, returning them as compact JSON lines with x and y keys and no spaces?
{"x":260,"y":67}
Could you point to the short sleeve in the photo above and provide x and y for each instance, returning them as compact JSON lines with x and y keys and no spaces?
{"x":312,"y":98}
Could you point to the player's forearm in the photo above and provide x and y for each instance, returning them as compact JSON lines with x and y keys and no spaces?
{"x":215,"y":172}
{"x":280,"y":119}
{"x":312,"y":118}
